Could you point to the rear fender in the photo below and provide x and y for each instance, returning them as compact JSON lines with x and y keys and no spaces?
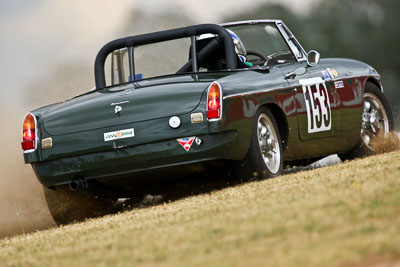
{"x":239,"y":114}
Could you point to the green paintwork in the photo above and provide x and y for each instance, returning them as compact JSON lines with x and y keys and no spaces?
{"x":84,"y":113}
{"x":77,"y":126}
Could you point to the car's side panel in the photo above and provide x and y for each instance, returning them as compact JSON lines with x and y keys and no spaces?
{"x":346,"y":118}
{"x":242,"y":111}
{"x":295,"y":148}
{"x":316,"y":103}
{"x":350,"y":77}
{"x":351,"y":108}
{"x":244,"y":93}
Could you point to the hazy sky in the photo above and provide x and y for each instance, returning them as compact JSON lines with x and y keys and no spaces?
{"x":38,"y":35}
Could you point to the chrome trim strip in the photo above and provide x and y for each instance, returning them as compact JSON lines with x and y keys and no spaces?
{"x":291,"y":86}
{"x":284,"y":30}
{"x":259,"y":91}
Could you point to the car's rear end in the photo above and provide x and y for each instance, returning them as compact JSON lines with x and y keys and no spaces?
{"x":141,"y":126}
{"x":124,"y":134}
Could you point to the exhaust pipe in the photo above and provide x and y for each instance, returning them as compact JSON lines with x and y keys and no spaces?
{"x":77,"y":184}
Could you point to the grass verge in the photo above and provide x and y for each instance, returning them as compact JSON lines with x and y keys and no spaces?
{"x":331,"y":216}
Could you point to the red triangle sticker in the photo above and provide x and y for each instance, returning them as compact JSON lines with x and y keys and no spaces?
{"x":186,"y":142}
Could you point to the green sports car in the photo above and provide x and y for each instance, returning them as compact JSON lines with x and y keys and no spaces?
{"x":244,"y":96}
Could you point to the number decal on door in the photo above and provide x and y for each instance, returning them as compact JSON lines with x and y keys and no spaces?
{"x":319,"y":117}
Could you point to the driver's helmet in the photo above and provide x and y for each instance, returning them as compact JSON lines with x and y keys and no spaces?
{"x":239,"y":47}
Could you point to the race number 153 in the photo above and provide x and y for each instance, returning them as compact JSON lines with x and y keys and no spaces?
{"x":318,"y":106}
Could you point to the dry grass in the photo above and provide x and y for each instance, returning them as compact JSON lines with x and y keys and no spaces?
{"x":331,"y":216}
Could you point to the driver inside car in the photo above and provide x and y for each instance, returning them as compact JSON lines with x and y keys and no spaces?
{"x":239,"y":49}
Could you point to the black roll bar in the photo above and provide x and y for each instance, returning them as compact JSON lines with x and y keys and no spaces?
{"x":161,"y":36}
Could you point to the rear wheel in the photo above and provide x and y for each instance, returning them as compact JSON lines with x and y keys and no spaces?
{"x":377,"y":122}
{"x":67,"y":206}
{"x":264,"y":158}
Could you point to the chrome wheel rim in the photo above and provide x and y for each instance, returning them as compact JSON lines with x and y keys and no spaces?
{"x":268,"y":143}
{"x":375,"y":122}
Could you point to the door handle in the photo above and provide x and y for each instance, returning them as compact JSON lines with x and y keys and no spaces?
{"x":291,"y":75}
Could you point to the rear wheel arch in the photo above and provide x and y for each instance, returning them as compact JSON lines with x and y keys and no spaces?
{"x":264,"y":158}
{"x":280,"y":120}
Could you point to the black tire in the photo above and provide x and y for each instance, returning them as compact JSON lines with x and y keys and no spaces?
{"x":67,"y":206}
{"x":380,"y":134}
{"x":256,"y":164}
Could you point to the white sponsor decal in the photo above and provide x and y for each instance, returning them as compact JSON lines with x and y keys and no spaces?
{"x":339,"y":84}
{"x":319,"y":117}
{"x":119,"y":134}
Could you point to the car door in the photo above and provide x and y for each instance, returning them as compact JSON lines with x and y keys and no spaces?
{"x":317,"y":104}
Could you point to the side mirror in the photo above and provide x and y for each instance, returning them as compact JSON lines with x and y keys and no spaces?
{"x":313,"y":58}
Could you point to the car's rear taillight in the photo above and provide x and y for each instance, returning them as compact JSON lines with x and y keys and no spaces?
{"x":29,"y":133}
{"x":214,"y":102}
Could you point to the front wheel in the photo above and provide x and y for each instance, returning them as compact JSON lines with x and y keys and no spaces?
{"x":377,"y":122}
{"x":265,"y":156}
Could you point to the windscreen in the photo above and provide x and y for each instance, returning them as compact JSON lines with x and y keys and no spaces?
{"x":263,"y":39}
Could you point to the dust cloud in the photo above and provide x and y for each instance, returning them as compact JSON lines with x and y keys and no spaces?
{"x":22,"y":205}
{"x":23,"y":208}
{"x":56,"y":65}
{"x":388,"y":143}
{"x":38,"y":74}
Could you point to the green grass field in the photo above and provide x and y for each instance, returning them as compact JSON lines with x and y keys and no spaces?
{"x":342,"y":215}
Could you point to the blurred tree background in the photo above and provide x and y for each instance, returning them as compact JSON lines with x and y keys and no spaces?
{"x":366,"y":30}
